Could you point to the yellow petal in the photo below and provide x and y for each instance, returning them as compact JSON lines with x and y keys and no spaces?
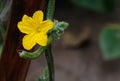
{"x":29,"y":41}
{"x":28,"y":20}
{"x":46,"y":25}
{"x":26,"y":25}
{"x":38,"y":17}
{"x":25,"y":28}
{"x":41,"y":39}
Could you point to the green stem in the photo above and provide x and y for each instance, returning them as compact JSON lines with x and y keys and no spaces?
{"x":50,"y":62}
{"x":50,"y":9}
{"x":36,"y":53}
{"x":48,"y":52}
{"x":32,"y":55}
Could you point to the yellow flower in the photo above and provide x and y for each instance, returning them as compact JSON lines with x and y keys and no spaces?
{"x":35,"y":29}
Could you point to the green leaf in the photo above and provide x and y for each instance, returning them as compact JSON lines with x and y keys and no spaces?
{"x":110,"y":42}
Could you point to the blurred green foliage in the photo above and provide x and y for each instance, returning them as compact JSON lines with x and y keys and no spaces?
{"x":2,"y":32}
{"x":110,"y":42}
{"x":97,"y":5}
{"x":1,"y":6}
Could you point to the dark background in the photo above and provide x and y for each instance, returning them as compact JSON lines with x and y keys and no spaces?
{"x":77,"y":54}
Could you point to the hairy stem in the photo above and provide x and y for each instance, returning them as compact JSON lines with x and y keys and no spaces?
{"x":48,"y":52}
{"x":50,"y":9}
{"x":50,"y":62}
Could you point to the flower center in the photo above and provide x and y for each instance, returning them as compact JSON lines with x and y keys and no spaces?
{"x":38,"y":29}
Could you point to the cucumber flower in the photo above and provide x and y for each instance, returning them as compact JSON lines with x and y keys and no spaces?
{"x":35,"y":30}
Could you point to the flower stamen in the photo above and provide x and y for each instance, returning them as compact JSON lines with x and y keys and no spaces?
{"x":38,"y":29}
